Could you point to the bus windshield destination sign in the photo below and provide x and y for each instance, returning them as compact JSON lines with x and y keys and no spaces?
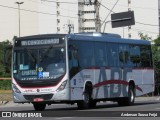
{"x":40,"y":42}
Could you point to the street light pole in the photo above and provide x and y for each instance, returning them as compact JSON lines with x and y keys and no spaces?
{"x":19,"y":3}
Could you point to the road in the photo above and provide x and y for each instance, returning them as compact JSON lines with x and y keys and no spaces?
{"x":109,"y":110}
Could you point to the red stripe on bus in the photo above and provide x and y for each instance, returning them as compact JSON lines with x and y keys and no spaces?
{"x":115,"y":82}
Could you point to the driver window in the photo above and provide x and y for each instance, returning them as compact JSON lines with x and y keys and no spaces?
{"x":73,"y":56}
{"x":73,"y":60}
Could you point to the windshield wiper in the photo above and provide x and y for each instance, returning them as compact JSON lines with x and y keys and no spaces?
{"x":46,"y":54}
{"x":31,"y":55}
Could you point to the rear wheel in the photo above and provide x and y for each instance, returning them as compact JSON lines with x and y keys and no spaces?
{"x":130,"y":99}
{"x":39,"y":106}
{"x":131,"y":96}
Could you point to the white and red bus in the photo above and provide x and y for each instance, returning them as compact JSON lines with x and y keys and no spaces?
{"x":82,"y":68}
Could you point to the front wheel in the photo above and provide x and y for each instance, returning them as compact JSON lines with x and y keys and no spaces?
{"x":87,"y":101}
{"x":39,"y":106}
{"x":85,"y":104}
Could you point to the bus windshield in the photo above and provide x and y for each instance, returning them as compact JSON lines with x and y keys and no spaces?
{"x":39,"y":64}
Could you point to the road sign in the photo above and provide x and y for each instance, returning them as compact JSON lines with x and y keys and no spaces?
{"x":122,"y":19}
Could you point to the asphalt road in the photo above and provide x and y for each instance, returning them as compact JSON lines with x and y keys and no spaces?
{"x":144,"y":106}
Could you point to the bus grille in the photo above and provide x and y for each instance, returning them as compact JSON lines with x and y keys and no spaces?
{"x":43,"y":96}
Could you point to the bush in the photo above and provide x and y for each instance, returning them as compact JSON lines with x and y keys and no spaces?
{"x":5,"y":84}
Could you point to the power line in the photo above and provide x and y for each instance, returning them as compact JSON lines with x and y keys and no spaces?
{"x":136,"y":29}
{"x":102,"y":5}
{"x":110,"y":11}
{"x":114,"y":12}
{"x":59,"y":2}
{"x":132,"y":6}
{"x":45,"y":13}
{"x":50,"y":5}
{"x":147,"y":24}
{"x":106,"y":7}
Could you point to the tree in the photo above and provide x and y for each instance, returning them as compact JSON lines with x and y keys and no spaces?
{"x":3,"y":70}
{"x":144,"y":37}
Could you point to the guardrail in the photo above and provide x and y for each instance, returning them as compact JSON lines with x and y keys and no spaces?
{"x":5,"y":78}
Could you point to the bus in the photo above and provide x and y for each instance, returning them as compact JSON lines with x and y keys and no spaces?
{"x":81,"y":68}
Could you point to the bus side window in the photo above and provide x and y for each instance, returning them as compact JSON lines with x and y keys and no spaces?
{"x":146,"y":59}
{"x":73,"y":61}
{"x":100,"y":54}
{"x":73,"y":56}
{"x":135,"y":55}
{"x":86,"y":54}
{"x":124,"y":55}
{"x":113,"y":60}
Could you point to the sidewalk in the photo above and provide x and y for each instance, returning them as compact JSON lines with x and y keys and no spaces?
{"x":153,"y":98}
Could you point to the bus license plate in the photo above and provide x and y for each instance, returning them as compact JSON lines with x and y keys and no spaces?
{"x":38,"y":99}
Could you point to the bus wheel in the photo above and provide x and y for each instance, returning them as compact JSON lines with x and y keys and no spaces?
{"x":87,"y":101}
{"x":131,"y":95}
{"x":39,"y":106}
{"x":85,"y":104}
{"x":128,"y":100}
{"x":93,"y":103}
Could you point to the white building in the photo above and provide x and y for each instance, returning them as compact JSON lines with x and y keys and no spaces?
{"x":57,"y":16}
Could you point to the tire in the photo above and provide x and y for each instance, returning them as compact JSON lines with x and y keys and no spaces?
{"x":85,"y":104}
{"x":39,"y":106}
{"x":87,"y":101}
{"x":128,"y":101}
{"x":131,"y":96}
{"x":93,"y":103}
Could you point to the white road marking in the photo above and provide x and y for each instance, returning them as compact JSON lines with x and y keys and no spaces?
{"x":61,"y":118}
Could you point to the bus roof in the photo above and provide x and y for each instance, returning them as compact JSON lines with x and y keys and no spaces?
{"x":105,"y":37}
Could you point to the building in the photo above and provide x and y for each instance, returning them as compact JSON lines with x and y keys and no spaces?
{"x":61,"y":16}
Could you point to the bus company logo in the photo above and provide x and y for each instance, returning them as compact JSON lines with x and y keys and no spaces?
{"x":6,"y":114}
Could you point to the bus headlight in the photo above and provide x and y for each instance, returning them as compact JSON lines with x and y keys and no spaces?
{"x":62,"y":86}
{"x":15,"y":89}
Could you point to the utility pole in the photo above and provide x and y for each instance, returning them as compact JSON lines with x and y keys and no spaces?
{"x":19,"y":16}
{"x":129,"y":27}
